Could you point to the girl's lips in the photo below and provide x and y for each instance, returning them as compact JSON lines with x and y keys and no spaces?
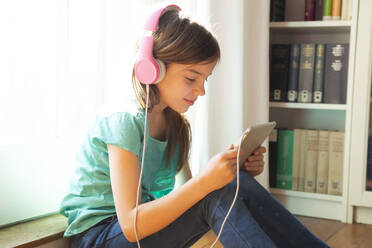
{"x":189,"y":102}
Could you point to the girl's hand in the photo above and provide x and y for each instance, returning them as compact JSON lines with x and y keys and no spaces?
{"x":220,"y":170}
{"x":254,"y":163}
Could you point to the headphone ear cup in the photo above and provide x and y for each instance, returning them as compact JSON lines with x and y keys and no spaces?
{"x":162,"y":70}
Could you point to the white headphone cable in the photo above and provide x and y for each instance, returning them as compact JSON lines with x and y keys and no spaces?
{"x":140,"y":178}
{"x":236,"y":194}
{"x":143,"y":159}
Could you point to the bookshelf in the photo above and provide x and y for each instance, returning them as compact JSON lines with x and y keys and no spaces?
{"x":308,"y":106}
{"x":315,"y":115}
{"x":310,"y":26}
{"x":360,"y":199}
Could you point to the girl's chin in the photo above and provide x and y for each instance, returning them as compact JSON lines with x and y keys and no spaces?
{"x":180,"y":110}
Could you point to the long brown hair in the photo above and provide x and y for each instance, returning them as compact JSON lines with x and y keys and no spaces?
{"x":177,"y":40}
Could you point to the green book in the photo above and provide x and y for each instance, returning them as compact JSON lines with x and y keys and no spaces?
{"x":285,"y":159}
{"x":327,"y":10}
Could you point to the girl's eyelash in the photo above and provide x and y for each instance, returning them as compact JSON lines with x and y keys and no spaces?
{"x":190,"y":79}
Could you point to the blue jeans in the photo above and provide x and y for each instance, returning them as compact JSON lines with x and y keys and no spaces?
{"x":257,"y":220}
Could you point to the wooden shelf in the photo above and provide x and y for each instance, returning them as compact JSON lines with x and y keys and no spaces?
{"x":295,"y":105}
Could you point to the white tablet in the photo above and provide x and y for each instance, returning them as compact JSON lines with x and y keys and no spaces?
{"x":253,"y":137}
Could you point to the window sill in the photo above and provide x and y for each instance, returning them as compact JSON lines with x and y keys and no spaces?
{"x":34,"y":233}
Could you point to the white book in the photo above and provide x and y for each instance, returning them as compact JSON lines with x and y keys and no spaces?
{"x":301,"y":172}
{"x":323,"y":160}
{"x":336,"y":162}
{"x":296,"y":158}
{"x":311,"y":159}
{"x":345,"y":10}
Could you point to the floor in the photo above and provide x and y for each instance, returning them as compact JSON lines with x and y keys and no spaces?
{"x":334,"y":233}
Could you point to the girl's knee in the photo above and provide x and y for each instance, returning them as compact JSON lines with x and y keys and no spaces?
{"x":226,"y":193}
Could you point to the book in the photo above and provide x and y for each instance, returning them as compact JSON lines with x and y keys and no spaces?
{"x":318,"y":10}
{"x":335,"y":73}
{"x":369,"y":164}
{"x":273,"y":153}
{"x":345,"y":10}
{"x":294,"y":59}
{"x":322,"y":164}
{"x":309,"y":10}
{"x":296,"y":158}
{"x":277,"y":10}
{"x":311,"y":158}
{"x":336,"y":10}
{"x":336,"y":162}
{"x":279,"y":72}
{"x":301,"y":171}
{"x":306,"y":73}
{"x":327,"y":10}
{"x":284,"y":159}
{"x":318,"y":73}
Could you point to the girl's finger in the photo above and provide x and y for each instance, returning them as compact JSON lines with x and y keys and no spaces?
{"x":232,"y":166}
{"x":258,"y":168}
{"x":255,"y":158}
{"x":232,"y":154}
{"x":260,"y":150}
{"x":254,"y":164}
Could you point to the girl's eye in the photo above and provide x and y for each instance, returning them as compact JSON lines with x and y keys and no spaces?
{"x":191,"y":79}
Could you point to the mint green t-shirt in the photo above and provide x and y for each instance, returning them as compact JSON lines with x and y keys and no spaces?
{"x":89,"y":199}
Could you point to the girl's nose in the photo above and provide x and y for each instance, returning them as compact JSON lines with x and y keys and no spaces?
{"x":199,"y":90}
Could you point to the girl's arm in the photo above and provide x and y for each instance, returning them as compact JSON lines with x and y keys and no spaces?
{"x":157,"y":214}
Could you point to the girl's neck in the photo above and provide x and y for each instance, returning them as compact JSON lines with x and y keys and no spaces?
{"x":157,"y":125}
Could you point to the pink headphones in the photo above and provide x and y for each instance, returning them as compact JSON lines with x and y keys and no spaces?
{"x":147,"y":69}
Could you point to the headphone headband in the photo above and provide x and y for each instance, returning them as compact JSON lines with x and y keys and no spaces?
{"x":153,"y":20}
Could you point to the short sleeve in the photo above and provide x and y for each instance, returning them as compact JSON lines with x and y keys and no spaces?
{"x":120,"y":129}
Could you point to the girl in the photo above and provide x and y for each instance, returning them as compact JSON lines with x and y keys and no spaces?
{"x":101,"y":203}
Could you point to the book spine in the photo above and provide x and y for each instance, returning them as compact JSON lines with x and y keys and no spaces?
{"x":319,"y":10}
{"x":279,"y":72}
{"x":350,"y":9}
{"x":301,"y":172}
{"x":285,"y":155}
{"x":293,"y":73}
{"x":306,"y":73}
{"x":345,"y":10}
{"x":327,"y":10}
{"x":369,"y":164}
{"x":336,"y":9}
{"x":335,"y":73}
{"x":277,"y":12}
{"x":273,"y":154}
{"x":336,"y":162}
{"x":318,"y":73}
{"x":309,"y":10}
{"x":311,"y":159}
{"x":323,"y":159}
{"x":296,"y":158}
{"x":344,"y":73}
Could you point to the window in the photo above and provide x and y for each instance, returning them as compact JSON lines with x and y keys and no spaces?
{"x":60,"y":60}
